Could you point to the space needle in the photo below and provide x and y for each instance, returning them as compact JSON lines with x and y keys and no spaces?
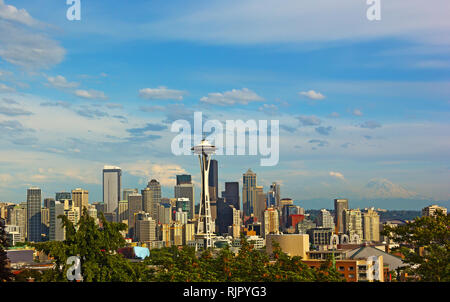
{"x":204,"y":233}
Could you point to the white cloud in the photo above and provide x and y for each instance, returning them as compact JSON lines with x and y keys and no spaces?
{"x":268,"y":21}
{"x":236,"y":96}
{"x":161,"y":93}
{"x":61,"y":82}
{"x":91,"y":94}
{"x":23,"y":44}
{"x":313,"y":95}
{"x":11,"y":13}
{"x":337,"y":175}
{"x":357,"y":112}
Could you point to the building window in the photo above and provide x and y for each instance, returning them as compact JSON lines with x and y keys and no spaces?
{"x":351,"y":268}
{"x":341,"y":268}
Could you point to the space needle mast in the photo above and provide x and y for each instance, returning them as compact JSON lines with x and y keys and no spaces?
{"x":204,"y":233}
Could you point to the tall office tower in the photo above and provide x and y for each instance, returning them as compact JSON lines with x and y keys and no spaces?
{"x":127,"y":192}
{"x":56,"y":230}
{"x":184,"y":179}
{"x":188,"y":232}
{"x":236,"y":226}
{"x":371,"y":225}
{"x":176,"y":233}
{"x":325,"y":219}
{"x":340,"y":205}
{"x":353,"y":223}
{"x":213,"y":180}
{"x":224,"y":215}
{"x":80,"y":199}
{"x":45,"y":222}
{"x":123,"y":210}
{"x":112,"y":184}
{"x":34,"y":214}
{"x":147,"y":200}
{"x":249,"y":192}
{"x":165,"y":213}
{"x":134,"y":206}
{"x":60,"y":196}
{"x":286,"y":211}
{"x":19,"y":217}
{"x":271,"y":221}
{"x":145,"y":228}
{"x":205,"y":225}
{"x":47,"y":202}
{"x":186,"y":190}
{"x":260,"y":204}
{"x":273,"y":196}
{"x":231,"y":194}
{"x":155,"y":186}
{"x":431,"y":210}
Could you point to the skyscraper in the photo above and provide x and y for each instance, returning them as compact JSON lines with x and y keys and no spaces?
{"x":213,"y":179}
{"x":155,"y":187}
{"x":249,"y":192}
{"x":231,"y":194}
{"x":123,"y":211}
{"x":271,"y":221}
{"x":56,"y":231}
{"x":34,"y":214}
{"x":112,"y":185}
{"x":371,"y":225}
{"x":80,"y":199}
{"x":260,"y":204}
{"x":273,"y":196}
{"x":185,"y":189}
{"x":340,"y":205}
{"x":352,"y":221}
{"x":147,"y":200}
{"x":134,"y":206}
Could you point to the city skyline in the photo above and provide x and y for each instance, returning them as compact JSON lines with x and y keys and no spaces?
{"x":364,"y":114}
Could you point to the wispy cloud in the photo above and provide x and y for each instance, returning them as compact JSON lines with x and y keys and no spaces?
{"x":91,"y":94}
{"x":60,"y":82}
{"x":161,"y":93}
{"x":236,"y":96}
{"x":313,"y":95}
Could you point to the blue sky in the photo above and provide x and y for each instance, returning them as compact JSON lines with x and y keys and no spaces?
{"x":74,"y":94}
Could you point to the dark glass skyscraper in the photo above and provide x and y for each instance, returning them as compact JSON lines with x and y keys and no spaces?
{"x":231,"y":194}
{"x":213,"y":180}
{"x":34,"y":214}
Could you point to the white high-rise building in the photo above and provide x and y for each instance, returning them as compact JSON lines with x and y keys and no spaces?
{"x":112,"y":184}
